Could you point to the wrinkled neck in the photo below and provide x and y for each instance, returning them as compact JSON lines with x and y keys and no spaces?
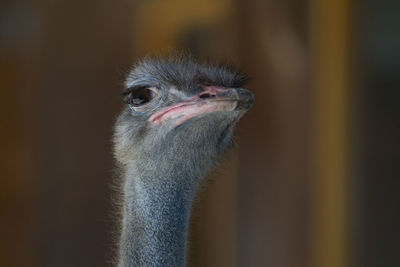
{"x":156,"y":212}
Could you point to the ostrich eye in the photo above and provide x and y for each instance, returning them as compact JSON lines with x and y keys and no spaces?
{"x":140,"y":96}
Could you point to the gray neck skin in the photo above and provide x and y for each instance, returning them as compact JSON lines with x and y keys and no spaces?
{"x":155,"y":224}
{"x":161,"y":178}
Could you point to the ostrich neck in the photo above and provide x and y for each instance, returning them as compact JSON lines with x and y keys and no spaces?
{"x":156,"y":212}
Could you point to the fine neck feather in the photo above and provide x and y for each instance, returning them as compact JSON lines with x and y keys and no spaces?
{"x":155,"y":221}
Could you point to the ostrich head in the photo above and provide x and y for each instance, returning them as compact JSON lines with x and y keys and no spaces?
{"x":179,"y":116}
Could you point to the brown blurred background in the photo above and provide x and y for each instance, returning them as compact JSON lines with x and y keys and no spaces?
{"x":313,"y":182}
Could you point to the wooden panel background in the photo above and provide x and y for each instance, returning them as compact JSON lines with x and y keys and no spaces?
{"x":330,"y":240}
{"x":274,"y":168}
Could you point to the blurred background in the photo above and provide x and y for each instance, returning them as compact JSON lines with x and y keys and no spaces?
{"x":314,"y":180}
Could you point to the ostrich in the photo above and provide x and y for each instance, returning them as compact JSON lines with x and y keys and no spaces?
{"x":178,"y":119}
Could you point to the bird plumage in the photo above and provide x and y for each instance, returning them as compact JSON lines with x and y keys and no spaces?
{"x":178,"y":119}
{"x":185,"y":73}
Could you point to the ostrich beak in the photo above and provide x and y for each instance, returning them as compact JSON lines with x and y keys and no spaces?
{"x":243,"y":97}
{"x":213,"y":99}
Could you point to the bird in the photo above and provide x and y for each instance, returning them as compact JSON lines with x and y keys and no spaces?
{"x":177,"y":119}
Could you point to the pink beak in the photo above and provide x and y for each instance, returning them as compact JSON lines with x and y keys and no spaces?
{"x":213,"y":99}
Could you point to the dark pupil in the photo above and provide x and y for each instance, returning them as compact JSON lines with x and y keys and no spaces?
{"x":141,"y":96}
